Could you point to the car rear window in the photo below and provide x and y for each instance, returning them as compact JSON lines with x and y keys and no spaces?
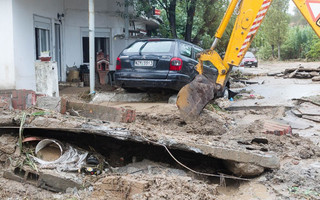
{"x":249,"y":55}
{"x":134,"y":48}
{"x":157,"y":47}
{"x":151,"y":47}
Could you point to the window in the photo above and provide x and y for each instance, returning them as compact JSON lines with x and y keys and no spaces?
{"x":135,"y":47}
{"x":42,"y":41}
{"x":195,"y":52}
{"x":185,"y":50}
{"x":42,"y":34}
{"x":101,"y":44}
{"x":249,"y":55}
{"x":157,"y":47}
{"x":151,"y":47}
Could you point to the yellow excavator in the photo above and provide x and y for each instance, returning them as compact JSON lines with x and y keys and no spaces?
{"x":193,"y":97}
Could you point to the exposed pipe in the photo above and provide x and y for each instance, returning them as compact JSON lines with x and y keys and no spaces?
{"x":91,"y":46}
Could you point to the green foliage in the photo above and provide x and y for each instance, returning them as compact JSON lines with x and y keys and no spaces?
{"x":314,"y":52}
{"x":276,"y":23}
{"x":298,"y":42}
{"x":265,"y":52}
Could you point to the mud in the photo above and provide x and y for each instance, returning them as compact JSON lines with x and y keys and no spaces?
{"x":297,"y":177}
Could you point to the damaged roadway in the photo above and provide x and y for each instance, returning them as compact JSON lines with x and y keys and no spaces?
{"x":224,"y":143}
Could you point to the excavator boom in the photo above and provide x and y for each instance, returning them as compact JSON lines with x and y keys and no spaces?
{"x":193,"y":97}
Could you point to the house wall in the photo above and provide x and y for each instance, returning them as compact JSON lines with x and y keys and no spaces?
{"x":24,"y":36}
{"x":17,"y":49}
{"x":7,"y":70}
{"x":106,"y":17}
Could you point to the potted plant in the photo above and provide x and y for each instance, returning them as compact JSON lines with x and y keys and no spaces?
{"x":44,"y":56}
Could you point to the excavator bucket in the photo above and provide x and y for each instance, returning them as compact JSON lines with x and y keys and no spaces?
{"x":193,"y":97}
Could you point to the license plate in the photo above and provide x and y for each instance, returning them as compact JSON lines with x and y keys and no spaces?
{"x":249,"y":63}
{"x":143,"y":63}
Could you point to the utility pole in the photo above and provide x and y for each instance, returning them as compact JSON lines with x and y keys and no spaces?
{"x":91,"y":46}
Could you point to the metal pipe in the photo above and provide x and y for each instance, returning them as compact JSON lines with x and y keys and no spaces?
{"x":215,"y":43}
{"x":91,"y":46}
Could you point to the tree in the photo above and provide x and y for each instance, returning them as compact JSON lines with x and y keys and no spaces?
{"x":170,"y":8}
{"x":276,"y":25}
{"x":191,"y":8}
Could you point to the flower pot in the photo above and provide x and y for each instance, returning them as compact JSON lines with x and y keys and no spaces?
{"x":45,"y":59}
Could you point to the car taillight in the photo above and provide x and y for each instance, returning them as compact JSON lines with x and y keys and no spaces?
{"x":118,"y":64}
{"x":175,"y":64}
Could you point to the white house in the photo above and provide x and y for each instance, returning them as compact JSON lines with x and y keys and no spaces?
{"x":29,"y":27}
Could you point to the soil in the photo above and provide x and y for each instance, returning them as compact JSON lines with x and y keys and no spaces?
{"x":297,"y":177}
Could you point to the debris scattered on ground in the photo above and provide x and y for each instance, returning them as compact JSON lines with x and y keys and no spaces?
{"x":308,"y":109}
{"x":299,"y":72}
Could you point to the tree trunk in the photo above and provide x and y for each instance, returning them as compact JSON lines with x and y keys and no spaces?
{"x":272,"y":46}
{"x":279,"y":58}
{"x":172,"y":17}
{"x":207,"y":23}
{"x":190,"y":15}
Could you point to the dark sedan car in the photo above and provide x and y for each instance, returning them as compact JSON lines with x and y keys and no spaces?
{"x":158,"y":63}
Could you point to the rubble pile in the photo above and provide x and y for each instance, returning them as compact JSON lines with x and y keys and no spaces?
{"x":300,"y":73}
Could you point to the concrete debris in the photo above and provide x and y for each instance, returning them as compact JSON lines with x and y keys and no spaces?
{"x":8,"y":144}
{"x":101,"y":112}
{"x":49,"y":103}
{"x":55,"y":183}
{"x":303,"y":73}
{"x":120,"y":97}
{"x":244,"y":169}
{"x":173,"y":99}
{"x":125,"y":186}
{"x":276,"y":128}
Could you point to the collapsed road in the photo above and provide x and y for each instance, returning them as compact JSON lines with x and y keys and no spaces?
{"x":148,"y":152}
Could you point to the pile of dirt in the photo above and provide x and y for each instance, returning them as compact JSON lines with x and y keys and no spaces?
{"x":209,"y":123}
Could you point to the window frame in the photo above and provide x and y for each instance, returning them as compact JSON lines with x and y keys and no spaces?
{"x":99,"y":33}
{"x":42,"y":23}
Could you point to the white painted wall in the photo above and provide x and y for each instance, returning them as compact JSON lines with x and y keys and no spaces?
{"x":17,"y":49}
{"x":7,"y":71}
{"x":106,"y":16}
{"x":24,"y":38}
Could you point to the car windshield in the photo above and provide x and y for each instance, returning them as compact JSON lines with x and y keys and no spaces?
{"x":249,"y":55}
{"x":151,"y":47}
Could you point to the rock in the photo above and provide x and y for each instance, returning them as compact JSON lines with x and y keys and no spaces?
{"x":223,"y":102}
{"x":6,"y":120}
{"x":244,"y":169}
{"x":314,"y":74}
{"x":49,"y":103}
{"x":172,"y":99}
{"x":120,"y":184}
{"x":316,"y":78}
{"x":8,"y":144}
{"x":237,"y":85}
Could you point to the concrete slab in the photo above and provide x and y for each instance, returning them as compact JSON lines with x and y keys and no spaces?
{"x":101,"y":112}
{"x":120,"y":97}
{"x":49,"y":103}
{"x":237,"y":154}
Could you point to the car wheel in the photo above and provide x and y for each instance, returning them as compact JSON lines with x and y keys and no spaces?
{"x":256,"y":65}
